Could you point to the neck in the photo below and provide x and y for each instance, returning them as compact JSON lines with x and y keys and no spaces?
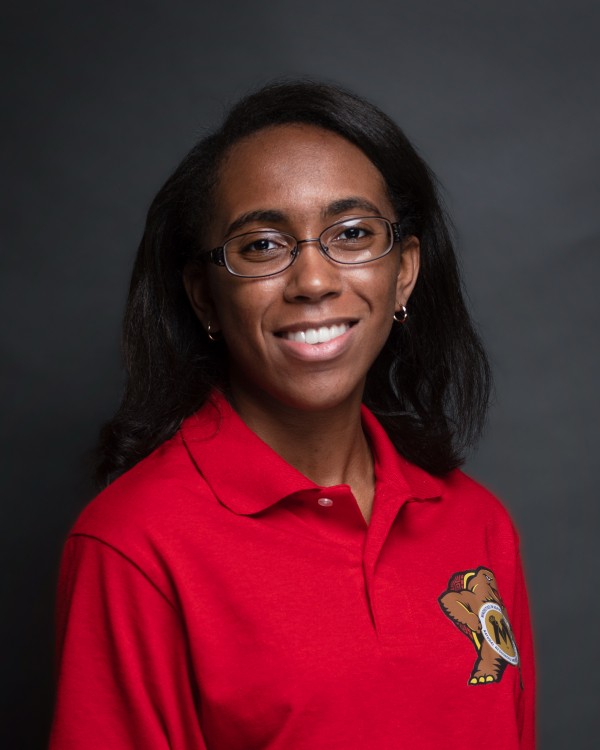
{"x":327,"y":445}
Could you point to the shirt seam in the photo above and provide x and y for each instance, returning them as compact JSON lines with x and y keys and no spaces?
{"x":131,"y":562}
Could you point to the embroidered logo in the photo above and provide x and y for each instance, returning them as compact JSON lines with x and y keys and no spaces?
{"x":474,"y":605}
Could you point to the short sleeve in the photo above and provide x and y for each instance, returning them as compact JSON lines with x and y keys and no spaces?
{"x":124,"y":679}
{"x":521,"y":625}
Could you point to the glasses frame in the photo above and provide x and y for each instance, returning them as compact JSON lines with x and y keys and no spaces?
{"x":218,"y":256}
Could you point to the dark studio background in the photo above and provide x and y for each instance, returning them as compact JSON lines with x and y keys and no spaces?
{"x":100,"y":102}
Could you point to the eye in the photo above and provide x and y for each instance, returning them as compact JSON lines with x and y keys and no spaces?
{"x":353,"y":237}
{"x":352,"y":233}
{"x":257,"y":247}
{"x":487,"y":577}
{"x":263,"y":245}
{"x":349,"y":234}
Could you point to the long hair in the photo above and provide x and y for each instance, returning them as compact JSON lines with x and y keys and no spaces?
{"x":430,"y":384}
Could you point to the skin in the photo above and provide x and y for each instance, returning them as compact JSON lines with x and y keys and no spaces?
{"x":304,"y":401}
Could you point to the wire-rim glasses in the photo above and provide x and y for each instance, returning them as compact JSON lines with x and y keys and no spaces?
{"x":266,"y":252}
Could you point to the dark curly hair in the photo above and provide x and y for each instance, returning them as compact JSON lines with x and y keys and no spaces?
{"x":430,"y":384}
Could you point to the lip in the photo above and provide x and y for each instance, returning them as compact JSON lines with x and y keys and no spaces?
{"x":316,"y":352}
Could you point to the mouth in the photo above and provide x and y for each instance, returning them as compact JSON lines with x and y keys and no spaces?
{"x":320,"y":335}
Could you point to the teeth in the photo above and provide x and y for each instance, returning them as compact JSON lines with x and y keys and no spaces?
{"x":317,"y":335}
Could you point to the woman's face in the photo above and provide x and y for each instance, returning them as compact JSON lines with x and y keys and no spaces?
{"x":300,"y":179}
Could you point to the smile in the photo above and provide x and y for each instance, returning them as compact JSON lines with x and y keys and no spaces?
{"x":317,"y":335}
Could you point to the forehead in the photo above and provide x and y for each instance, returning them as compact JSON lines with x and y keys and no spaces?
{"x":297,"y":170}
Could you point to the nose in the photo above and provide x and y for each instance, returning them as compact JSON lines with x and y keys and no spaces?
{"x":313,"y":276}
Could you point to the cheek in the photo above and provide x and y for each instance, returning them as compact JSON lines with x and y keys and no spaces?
{"x":379,"y":286}
{"x":241,"y":306}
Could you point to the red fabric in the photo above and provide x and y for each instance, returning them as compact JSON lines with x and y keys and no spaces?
{"x":207,"y":599}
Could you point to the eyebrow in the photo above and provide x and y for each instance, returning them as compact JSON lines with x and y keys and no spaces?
{"x":270,"y":216}
{"x":266,"y":216}
{"x":347,"y":204}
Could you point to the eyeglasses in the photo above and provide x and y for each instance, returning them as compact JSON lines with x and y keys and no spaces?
{"x":267,"y":252}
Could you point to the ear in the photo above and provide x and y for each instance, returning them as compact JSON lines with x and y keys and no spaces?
{"x":197,"y":287}
{"x":409,"y":269}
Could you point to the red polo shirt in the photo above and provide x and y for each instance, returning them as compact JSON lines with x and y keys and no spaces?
{"x":215,"y":597}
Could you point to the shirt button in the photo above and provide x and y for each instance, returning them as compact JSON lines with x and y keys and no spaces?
{"x":325,"y":502}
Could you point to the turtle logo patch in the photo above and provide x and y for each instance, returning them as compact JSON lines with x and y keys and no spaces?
{"x":474,"y":605}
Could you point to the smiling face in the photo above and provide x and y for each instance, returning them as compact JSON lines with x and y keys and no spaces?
{"x":306,"y":337}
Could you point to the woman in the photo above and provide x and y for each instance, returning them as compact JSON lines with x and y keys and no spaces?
{"x":290,"y":557}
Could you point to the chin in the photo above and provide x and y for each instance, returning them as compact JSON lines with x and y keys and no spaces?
{"x":307,"y":397}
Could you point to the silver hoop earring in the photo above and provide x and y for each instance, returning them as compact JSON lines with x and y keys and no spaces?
{"x":211,"y":332}
{"x":401,"y":315}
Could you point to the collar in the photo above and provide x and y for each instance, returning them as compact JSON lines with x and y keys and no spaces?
{"x":247,"y":476}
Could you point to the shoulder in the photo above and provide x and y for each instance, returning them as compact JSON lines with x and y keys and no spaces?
{"x":473,"y":506}
{"x":466,"y":490}
{"x":148,"y":501}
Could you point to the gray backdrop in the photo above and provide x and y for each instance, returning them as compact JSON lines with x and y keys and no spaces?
{"x":102,"y":99}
